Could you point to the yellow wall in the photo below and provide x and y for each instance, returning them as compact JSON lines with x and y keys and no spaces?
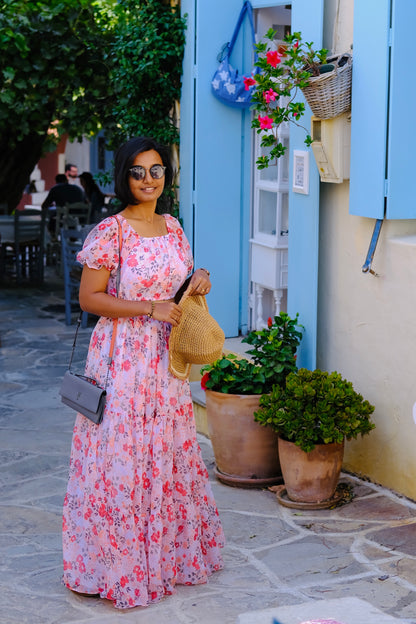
{"x":366,"y":324}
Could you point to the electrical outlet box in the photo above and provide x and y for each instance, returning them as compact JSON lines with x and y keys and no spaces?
{"x":331,"y":147}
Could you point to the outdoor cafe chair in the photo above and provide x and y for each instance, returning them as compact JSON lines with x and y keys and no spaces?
{"x":71,"y":243}
{"x":77,"y":214}
{"x":73,"y":217}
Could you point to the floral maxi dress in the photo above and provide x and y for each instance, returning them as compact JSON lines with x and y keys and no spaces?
{"x":139,"y":515}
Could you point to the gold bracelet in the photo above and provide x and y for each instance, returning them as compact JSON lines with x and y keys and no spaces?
{"x":150,"y":314}
{"x":206,"y":271}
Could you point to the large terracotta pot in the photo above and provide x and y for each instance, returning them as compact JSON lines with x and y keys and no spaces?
{"x":310,"y":477}
{"x":245,"y":453}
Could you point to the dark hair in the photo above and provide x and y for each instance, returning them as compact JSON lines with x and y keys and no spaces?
{"x":124,"y":159}
{"x":69,"y":166}
{"x":89,"y":184}
{"x":61,"y":178}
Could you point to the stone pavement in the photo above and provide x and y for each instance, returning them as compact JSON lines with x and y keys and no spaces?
{"x":355,"y":563}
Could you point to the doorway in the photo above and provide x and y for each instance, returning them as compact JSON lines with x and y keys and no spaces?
{"x":268,"y":265}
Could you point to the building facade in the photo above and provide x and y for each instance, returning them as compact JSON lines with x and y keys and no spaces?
{"x":341,"y":254}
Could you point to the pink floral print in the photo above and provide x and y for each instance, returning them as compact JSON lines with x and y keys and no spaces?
{"x":139,"y":514}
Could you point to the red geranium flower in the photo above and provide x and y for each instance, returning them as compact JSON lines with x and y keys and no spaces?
{"x":248,"y":82}
{"x":204,"y":380}
{"x":269,"y":95}
{"x":266,"y":123}
{"x":273,"y":58}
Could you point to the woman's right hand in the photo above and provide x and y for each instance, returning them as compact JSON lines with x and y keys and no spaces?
{"x":167,"y":311}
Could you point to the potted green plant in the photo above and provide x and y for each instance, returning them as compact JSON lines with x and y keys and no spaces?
{"x":284,"y":70}
{"x":245,"y":453}
{"x":312,"y":414}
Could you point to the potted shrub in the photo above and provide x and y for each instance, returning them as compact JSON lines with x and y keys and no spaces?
{"x":313,"y":413}
{"x":286,"y":69}
{"x":245,"y":453}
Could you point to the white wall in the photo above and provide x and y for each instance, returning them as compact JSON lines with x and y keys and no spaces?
{"x":78,"y":154}
{"x":366,"y":324}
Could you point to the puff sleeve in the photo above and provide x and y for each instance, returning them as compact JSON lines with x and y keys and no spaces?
{"x":101,"y":246}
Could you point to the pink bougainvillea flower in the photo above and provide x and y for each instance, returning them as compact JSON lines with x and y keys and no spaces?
{"x":295,"y":114}
{"x":296,"y":45}
{"x":266,"y":123}
{"x":248,"y":82}
{"x":204,"y":380}
{"x":273,"y":58}
{"x":269,"y":322}
{"x":269,"y":95}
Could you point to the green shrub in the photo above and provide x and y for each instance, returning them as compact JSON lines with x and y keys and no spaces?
{"x":315,"y":407}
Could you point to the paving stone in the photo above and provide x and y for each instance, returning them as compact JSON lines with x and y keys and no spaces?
{"x":24,"y":520}
{"x":24,"y":608}
{"x":249,"y":500}
{"x":10,"y":457}
{"x":380,"y":508}
{"x":225,"y":607}
{"x":372,"y":551}
{"x":25,"y":545}
{"x":56,"y":418}
{"x":403,"y":568}
{"x":10,"y":387}
{"x":42,"y":440}
{"x":389,"y":595}
{"x":332,"y":525}
{"x":396,"y":538}
{"x":39,"y":490}
{"x":27,"y":468}
{"x":256,"y":531}
{"x":312,"y":560}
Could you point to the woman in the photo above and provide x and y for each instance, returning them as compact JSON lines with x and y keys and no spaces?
{"x":93,"y":193}
{"x":139,"y":515}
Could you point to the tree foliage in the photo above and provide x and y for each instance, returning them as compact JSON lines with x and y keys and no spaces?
{"x":146,"y":67}
{"x":79,"y":66}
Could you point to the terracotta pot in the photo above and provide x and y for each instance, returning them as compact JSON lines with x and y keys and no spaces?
{"x":246,"y":453}
{"x":310,"y":477}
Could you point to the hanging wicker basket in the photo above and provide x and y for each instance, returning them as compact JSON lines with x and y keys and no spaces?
{"x":329,"y":94}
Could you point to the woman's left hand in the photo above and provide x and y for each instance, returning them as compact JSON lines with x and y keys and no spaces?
{"x":200,"y":283}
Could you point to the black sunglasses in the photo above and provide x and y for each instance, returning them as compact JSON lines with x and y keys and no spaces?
{"x":139,"y":173}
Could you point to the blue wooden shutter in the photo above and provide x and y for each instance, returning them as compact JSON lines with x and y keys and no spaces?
{"x":307,"y":17}
{"x":369,"y":108}
{"x":402,"y":134}
{"x":383,"y":93}
{"x":214,"y":187}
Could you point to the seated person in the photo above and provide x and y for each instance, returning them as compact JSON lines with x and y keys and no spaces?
{"x":93,"y":193}
{"x":60,"y":194}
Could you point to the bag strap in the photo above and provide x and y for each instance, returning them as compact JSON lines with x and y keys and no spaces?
{"x":247,"y":8}
{"x":115,"y":320}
